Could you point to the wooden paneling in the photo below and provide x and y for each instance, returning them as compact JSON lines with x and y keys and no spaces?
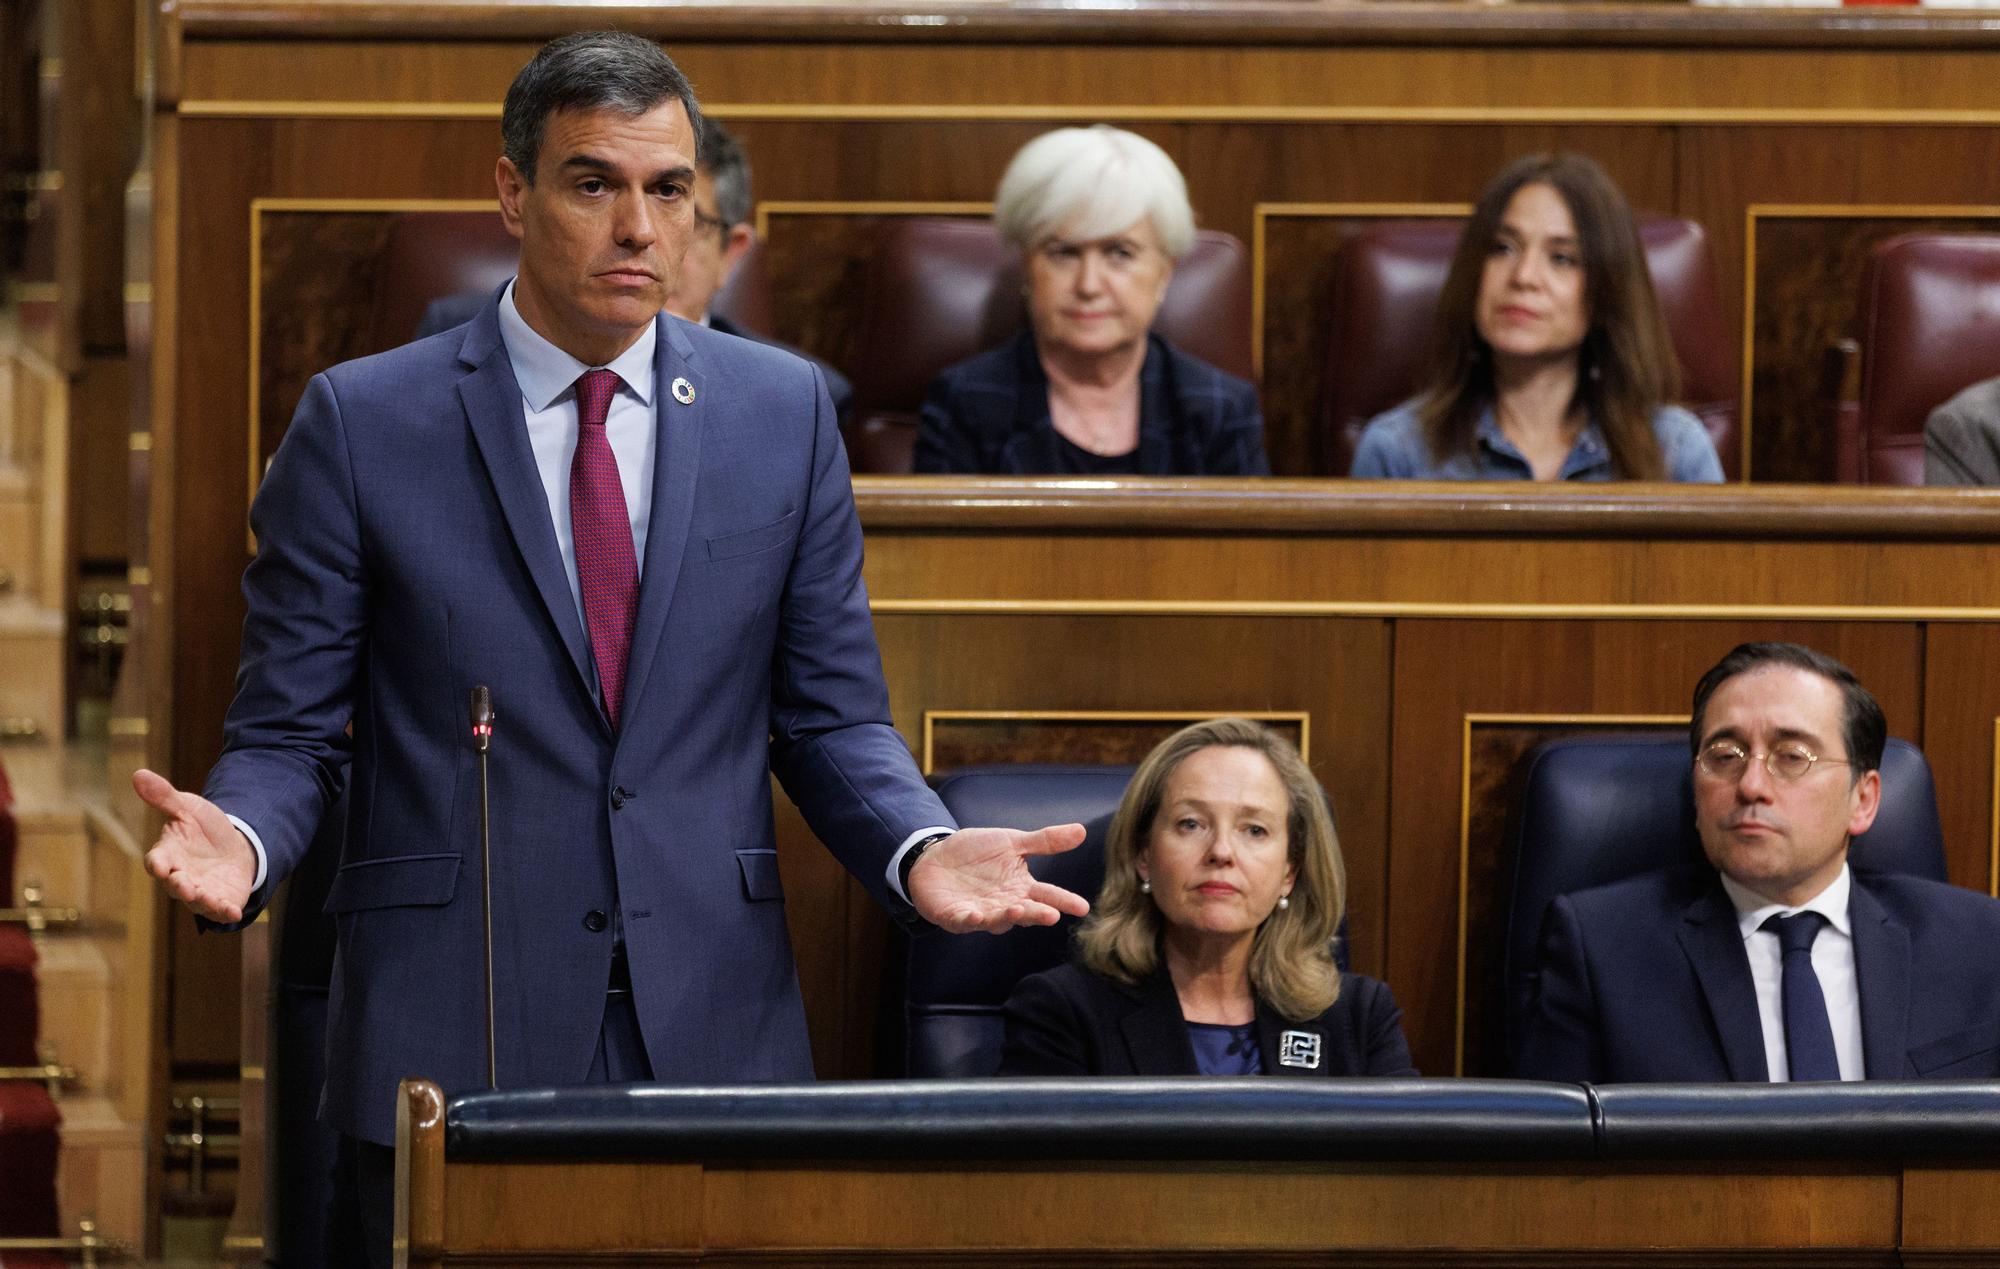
{"x":1962,"y":719}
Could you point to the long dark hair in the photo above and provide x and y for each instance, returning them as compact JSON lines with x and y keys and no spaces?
{"x":1626,"y":367}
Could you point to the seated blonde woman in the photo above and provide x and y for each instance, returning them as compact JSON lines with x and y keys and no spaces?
{"x":1210,"y":950}
{"x":1099,"y":215}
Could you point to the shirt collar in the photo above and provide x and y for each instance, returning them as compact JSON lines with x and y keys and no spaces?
{"x":1753,"y":909}
{"x":1590,"y":449}
{"x":545,"y":371}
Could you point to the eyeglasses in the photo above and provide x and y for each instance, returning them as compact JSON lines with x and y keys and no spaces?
{"x":1727,"y":760}
{"x":715,"y":224}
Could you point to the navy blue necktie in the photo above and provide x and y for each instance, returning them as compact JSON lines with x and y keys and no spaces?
{"x":1808,"y":1033}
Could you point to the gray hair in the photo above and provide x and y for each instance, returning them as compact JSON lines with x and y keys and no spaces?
{"x":728,"y":171}
{"x":590,"y":70}
{"x":1093,"y":182}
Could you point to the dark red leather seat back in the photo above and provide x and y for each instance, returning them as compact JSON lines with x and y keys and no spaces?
{"x":1929,"y":323}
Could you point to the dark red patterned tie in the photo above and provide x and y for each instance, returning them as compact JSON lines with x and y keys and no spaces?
{"x":606,"y":571}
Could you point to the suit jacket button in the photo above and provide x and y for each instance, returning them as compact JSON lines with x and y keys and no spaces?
{"x":595,"y":921}
{"x":619,"y":797}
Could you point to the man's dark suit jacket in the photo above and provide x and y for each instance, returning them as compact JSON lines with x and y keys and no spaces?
{"x":989,"y":415}
{"x":405,"y":554}
{"x":456,"y":310}
{"x":1070,"y":1021}
{"x":1647,"y":979}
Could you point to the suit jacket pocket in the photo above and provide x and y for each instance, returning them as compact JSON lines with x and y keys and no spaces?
{"x":760,"y":874}
{"x":402,"y":881}
{"x":750,"y":541}
{"x":1968,"y":1054}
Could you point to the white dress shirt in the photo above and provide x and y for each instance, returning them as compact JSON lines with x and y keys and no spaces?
{"x":1833,"y":962}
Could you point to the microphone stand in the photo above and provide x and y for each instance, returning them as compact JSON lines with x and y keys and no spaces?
{"x":482,"y":741}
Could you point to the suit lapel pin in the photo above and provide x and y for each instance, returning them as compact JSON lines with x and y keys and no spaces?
{"x":1299,"y":1048}
{"x":683,"y":392}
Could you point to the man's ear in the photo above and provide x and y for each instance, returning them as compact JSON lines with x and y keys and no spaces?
{"x":734,"y":248}
{"x":508,"y":180}
{"x":1867,"y":799}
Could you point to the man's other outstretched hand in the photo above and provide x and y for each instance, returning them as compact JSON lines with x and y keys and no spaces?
{"x":201,"y":858}
{"x":978,"y":879}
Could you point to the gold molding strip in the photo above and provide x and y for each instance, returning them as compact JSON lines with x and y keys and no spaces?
{"x":931,"y":717}
{"x":839,"y":207}
{"x":1413,"y":608}
{"x":1468,"y":722}
{"x":1260,"y":213}
{"x":37,"y":292}
{"x":258,"y":207}
{"x":1817,"y":211}
{"x":956,"y":112}
{"x":219,"y":108}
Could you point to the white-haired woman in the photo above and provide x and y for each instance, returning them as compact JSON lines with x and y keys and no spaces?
{"x":1100,"y":216}
{"x":1210,"y":950}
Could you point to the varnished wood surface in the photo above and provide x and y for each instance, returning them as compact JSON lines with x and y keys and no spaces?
{"x":1221,"y":21}
{"x":1203,"y":507}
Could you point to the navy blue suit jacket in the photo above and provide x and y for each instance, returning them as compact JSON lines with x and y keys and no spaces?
{"x":405,"y":554}
{"x":1647,"y":979}
{"x":1070,"y":1021}
{"x":989,"y":415}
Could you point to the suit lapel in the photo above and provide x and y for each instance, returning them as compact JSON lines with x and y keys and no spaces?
{"x":492,"y":401}
{"x":676,"y":463}
{"x":1882,"y":979}
{"x":1714,"y":948}
{"x":1156,"y":1036}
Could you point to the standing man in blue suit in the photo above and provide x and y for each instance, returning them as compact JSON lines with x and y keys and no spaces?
{"x":640,"y":534}
{"x":1780,"y":962}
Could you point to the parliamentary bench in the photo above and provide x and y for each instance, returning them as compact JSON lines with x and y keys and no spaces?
{"x":1178,"y":1171}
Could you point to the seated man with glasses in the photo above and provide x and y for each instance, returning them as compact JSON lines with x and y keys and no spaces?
{"x":1779,"y":962}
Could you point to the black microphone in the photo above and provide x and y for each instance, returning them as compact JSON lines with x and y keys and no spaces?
{"x":482,"y":741}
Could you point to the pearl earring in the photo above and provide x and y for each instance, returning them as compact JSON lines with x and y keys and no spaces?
{"x":1145,"y":886}
{"x":1284,"y":901}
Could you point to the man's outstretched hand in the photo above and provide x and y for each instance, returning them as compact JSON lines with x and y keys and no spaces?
{"x":201,"y":858}
{"x":978,"y":879}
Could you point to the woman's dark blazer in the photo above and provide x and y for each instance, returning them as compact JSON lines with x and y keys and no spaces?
{"x":989,"y":416}
{"x":1070,"y":1021}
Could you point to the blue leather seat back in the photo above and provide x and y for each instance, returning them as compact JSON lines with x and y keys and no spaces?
{"x":1597,"y":809}
{"x":956,"y":985}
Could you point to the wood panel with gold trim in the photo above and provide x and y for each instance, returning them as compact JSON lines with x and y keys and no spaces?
{"x":969,"y":737}
{"x":1490,"y":760}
